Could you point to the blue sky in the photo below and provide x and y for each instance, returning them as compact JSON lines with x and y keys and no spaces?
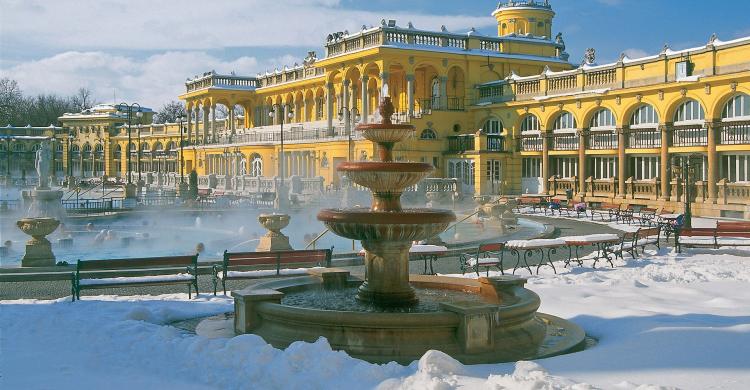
{"x":142,"y":50}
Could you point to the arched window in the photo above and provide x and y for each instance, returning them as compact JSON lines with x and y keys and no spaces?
{"x":564,"y":121}
{"x":530,"y":123}
{"x":171,"y":145}
{"x":644,"y":115}
{"x":19,"y":147}
{"x":75,"y":149}
{"x":118,"y":151}
{"x":158,"y":146}
{"x":132,"y":147}
{"x":256,"y":168}
{"x":492,"y":126}
{"x":689,"y":111}
{"x":36,"y":147}
{"x":428,"y":134}
{"x":86,"y":148}
{"x":243,"y":166}
{"x":603,"y":119}
{"x":737,"y":107}
{"x":435,"y":88}
{"x":145,"y":148}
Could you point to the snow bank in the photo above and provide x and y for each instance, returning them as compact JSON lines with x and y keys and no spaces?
{"x":669,"y":319}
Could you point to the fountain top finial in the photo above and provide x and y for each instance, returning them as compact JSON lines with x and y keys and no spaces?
{"x":386,"y":110}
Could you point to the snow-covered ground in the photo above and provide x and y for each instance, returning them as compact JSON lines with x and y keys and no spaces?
{"x":666,"y":319}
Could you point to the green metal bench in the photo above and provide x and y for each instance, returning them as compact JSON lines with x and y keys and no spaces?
{"x":150,"y":271}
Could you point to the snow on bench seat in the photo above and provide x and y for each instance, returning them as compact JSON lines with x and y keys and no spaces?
{"x":535,"y":243}
{"x":136,"y":279}
{"x":472,"y":261}
{"x":267,"y":272}
{"x":729,"y":241}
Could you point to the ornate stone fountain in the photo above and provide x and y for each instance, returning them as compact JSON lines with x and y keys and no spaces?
{"x":386,"y":230}
{"x":396,"y":316}
{"x":44,"y":214}
{"x":274,"y":240}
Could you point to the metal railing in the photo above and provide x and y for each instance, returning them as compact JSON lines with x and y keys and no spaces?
{"x":643,"y":138}
{"x":689,"y":135}
{"x":734,"y":133}
{"x":460,"y":143}
{"x":565,"y":141}
{"x":530,"y":142}
{"x":602,"y":140}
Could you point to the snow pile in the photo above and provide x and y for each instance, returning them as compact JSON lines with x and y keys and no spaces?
{"x":666,"y":318}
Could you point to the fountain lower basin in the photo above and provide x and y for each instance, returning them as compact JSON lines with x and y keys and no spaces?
{"x":500,"y":325}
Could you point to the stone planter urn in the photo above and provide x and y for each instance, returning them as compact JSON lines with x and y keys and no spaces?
{"x":274,"y":240}
{"x":38,"y":248}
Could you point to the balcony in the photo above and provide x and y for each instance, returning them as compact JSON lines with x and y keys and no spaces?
{"x":213,"y":80}
{"x":643,"y":138}
{"x":689,"y":135}
{"x":460,"y":143}
{"x":530,"y":143}
{"x":495,"y":143}
{"x":565,"y":141}
{"x":602,"y":140}
{"x":734,"y":133}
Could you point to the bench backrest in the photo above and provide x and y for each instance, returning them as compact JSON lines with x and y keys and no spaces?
{"x":147,"y":262}
{"x":529,"y":200}
{"x":609,"y":206}
{"x":739,"y":226}
{"x":648,"y":232}
{"x":697,"y":232}
{"x":733,"y":229}
{"x":319,"y":257}
{"x":647,"y":210}
{"x":493,"y":247}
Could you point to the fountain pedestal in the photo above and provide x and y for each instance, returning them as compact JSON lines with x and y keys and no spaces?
{"x":38,"y":248}
{"x":274,"y":240}
{"x":387,"y":265}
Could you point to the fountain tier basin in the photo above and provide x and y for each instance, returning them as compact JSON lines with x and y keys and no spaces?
{"x":385,"y":177}
{"x":500,"y":325}
{"x":367,"y":225}
{"x":385,"y":133}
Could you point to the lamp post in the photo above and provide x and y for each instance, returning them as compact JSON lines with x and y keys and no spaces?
{"x":182,"y":144}
{"x":684,"y":168}
{"x":352,"y":117}
{"x":281,"y":200}
{"x":129,"y":110}
{"x":138,"y":156}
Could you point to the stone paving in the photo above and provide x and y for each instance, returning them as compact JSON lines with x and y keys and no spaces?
{"x":447,"y":265}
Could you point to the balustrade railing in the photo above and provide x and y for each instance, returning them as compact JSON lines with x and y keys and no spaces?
{"x":601,"y":77}
{"x":642,"y":189}
{"x":643,"y":138}
{"x":734,"y":133}
{"x":689,"y":135}
{"x":562,"y":83}
{"x":495,"y":143}
{"x":530,"y":143}
{"x":565,"y":141}
{"x":560,"y":186}
{"x":226,"y":81}
{"x":733,"y":193}
{"x":460,"y":143}
{"x":602,"y":140}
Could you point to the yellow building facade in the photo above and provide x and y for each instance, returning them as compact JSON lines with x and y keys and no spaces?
{"x":505,"y":114}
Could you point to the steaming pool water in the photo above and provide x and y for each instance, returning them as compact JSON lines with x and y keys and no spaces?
{"x":145,"y":234}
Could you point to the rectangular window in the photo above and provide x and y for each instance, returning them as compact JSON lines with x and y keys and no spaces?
{"x":603,"y":167}
{"x":644,"y":167}
{"x":493,"y":170}
{"x":681,"y":70}
{"x":736,"y":167}
{"x":565,"y":167}
{"x":531,"y":167}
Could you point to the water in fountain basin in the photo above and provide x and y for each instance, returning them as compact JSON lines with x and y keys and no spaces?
{"x":344,"y":299}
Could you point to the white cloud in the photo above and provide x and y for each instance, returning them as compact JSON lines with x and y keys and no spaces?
{"x":151,"y":81}
{"x":192,"y":25}
{"x":635,"y":53}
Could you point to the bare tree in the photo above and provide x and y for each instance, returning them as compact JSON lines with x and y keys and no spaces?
{"x":170,"y":112}
{"x":83,"y":99}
